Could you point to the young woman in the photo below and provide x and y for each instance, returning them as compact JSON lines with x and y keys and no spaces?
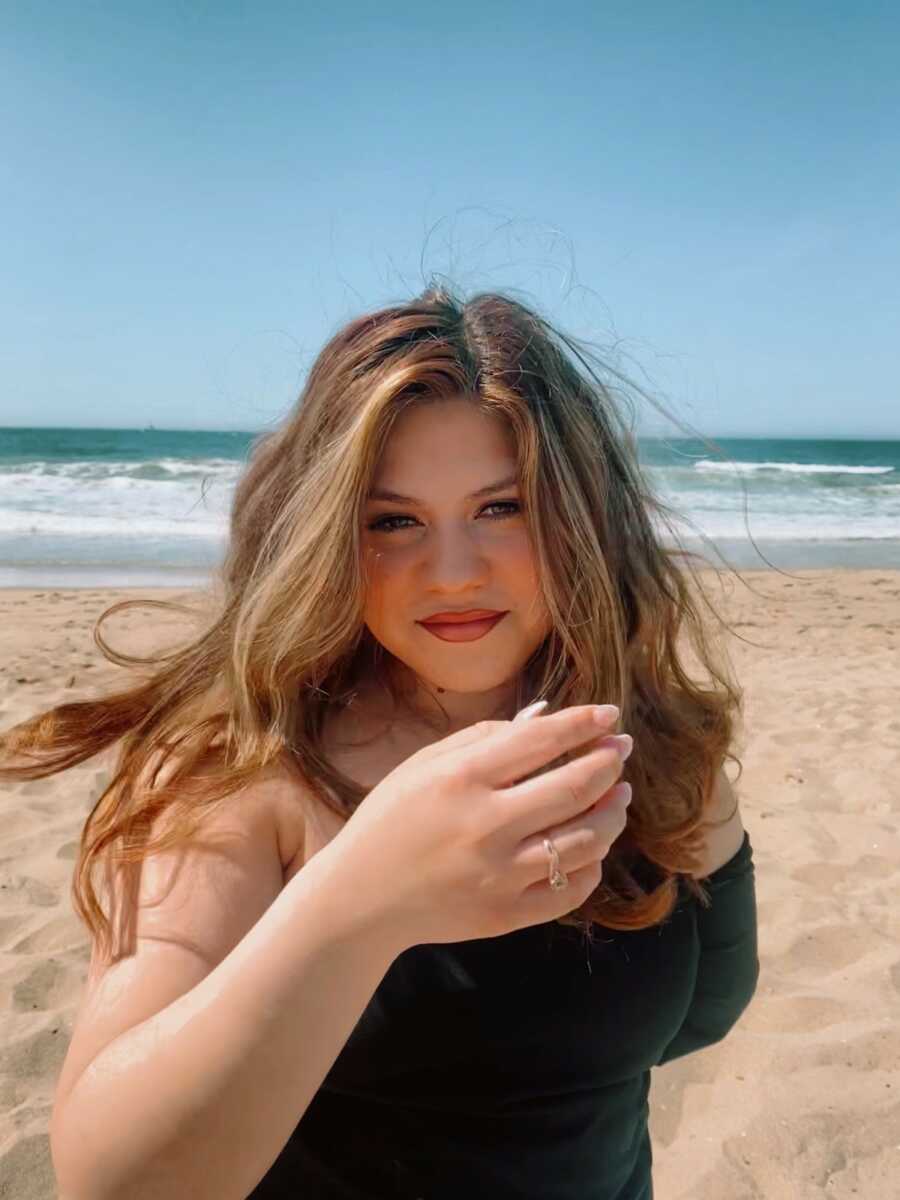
{"x":367,"y":935}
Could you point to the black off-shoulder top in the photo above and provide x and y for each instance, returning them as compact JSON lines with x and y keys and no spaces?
{"x":518,"y":1067}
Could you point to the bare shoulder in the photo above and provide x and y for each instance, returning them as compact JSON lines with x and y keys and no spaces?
{"x":292,"y":804}
{"x":725,"y":831}
{"x":278,"y":803}
{"x":180,"y":911}
{"x":272,"y":808}
{"x":197,"y":892}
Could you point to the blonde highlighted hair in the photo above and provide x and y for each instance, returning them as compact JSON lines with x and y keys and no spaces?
{"x":288,"y":644}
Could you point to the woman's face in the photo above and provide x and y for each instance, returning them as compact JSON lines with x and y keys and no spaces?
{"x":445,"y":549}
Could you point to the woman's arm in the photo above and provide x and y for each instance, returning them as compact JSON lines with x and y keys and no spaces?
{"x":729,"y":966}
{"x":195,"y":1057}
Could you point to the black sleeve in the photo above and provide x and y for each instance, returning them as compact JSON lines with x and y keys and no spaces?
{"x":728,"y":969}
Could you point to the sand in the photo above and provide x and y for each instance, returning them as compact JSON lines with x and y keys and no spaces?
{"x":801,"y":1100}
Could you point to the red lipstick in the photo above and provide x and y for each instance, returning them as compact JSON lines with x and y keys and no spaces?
{"x":451,"y":618}
{"x":462,"y":627}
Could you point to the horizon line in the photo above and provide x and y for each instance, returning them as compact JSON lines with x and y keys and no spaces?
{"x":787,"y":437}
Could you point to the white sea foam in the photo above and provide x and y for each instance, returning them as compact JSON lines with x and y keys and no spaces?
{"x":164,"y":498}
{"x":125,"y":525}
{"x":163,"y":468}
{"x":791,"y":527}
{"x":791,"y":468}
{"x":173,"y":512}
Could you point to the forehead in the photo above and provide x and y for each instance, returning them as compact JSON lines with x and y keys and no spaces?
{"x":449,"y":441}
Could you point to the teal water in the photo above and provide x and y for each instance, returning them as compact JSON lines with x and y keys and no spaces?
{"x":141,"y":506}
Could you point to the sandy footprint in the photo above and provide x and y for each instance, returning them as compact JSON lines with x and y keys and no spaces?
{"x":826,"y":798}
{"x":35,"y":841}
{"x":874,"y":866}
{"x":61,"y":933}
{"x":45,"y":986}
{"x":10,"y":928}
{"x":794,"y":737}
{"x":828,"y":949}
{"x":826,"y":1152}
{"x":821,"y":875}
{"x":793,"y":1014}
{"x":37,"y":1054}
{"x":17,"y":822}
{"x":26,"y":890}
{"x":34,"y":787}
{"x":825,"y":875}
{"x":37,"y":1113}
{"x":870,"y":1053}
{"x":28,"y":1158}
{"x":876,"y":1050}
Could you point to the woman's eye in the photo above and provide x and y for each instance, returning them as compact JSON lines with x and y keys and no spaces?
{"x":386,"y":524}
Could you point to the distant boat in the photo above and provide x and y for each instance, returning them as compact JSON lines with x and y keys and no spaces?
{"x":147,"y":428}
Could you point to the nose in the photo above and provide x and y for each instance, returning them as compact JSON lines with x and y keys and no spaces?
{"x":454,"y":560}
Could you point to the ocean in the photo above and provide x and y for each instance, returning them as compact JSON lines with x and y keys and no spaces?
{"x":130,"y":507}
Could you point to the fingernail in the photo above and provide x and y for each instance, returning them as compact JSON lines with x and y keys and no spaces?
{"x":606,"y":714}
{"x":531,"y":711}
{"x":623,"y":741}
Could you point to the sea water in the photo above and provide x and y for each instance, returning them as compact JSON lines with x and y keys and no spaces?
{"x":138,"y":507}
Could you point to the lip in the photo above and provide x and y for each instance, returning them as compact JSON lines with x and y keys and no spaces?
{"x":458,"y":618}
{"x":462,"y":631}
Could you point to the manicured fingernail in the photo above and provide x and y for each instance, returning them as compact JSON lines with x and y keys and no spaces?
{"x":606,"y":714}
{"x":531,"y":711}
{"x":623,"y":741}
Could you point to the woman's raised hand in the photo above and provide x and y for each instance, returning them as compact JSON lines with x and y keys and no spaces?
{"x":449,"y":845}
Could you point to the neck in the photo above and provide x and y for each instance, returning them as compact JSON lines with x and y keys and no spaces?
{"x":423,"y":702}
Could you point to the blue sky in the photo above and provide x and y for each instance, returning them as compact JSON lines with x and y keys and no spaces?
{"x":195,"y":196}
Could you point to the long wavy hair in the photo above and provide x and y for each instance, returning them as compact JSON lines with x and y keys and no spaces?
{"x":288,"y":644}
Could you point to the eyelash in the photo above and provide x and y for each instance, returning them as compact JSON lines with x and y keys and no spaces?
{"x":378,"y":526}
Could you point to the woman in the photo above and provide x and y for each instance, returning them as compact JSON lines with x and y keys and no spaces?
{"x":368,"y":936}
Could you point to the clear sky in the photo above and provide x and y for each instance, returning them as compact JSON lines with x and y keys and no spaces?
{"x":196,"y":195}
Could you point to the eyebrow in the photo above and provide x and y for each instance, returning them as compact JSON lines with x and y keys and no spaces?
{"x":398,"y":498}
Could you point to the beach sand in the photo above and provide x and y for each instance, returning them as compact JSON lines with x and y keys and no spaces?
{"x":801,"y":1100}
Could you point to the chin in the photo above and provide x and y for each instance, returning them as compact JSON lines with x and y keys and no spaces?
{"x":476,"y":678}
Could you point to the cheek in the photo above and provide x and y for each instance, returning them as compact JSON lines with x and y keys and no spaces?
{"x":380,"y":568}
{"x":519,"y":561}
{"x":524,"y":569}
{"x":383,"y":581}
